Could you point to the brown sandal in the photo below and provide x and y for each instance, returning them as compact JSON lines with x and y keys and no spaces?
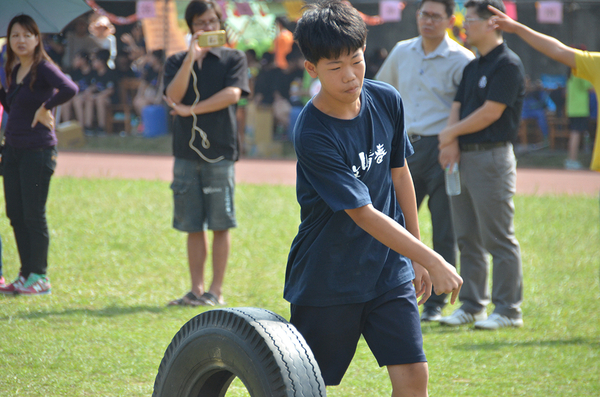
{"x":188,"y":299}
{"x":211,"y":300}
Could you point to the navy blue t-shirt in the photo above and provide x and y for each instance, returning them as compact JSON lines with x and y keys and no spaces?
{"x":346,"y":164}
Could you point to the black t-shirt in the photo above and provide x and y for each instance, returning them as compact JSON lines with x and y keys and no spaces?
{"x":267,"y":82}
{"x":82,"y":80}
{"x":150,"y":76}
{"x":222,"y":67}
{"x":106,"y":81}
{"x":498,"y":76}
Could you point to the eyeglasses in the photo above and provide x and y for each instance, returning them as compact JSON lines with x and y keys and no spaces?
{"x":469,"y":21}
{"x":202,"y":24}
{"x":435,"y":18}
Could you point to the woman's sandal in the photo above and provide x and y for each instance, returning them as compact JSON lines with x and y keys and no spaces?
{"x":211,"y":300}
{"x":188,"y":299}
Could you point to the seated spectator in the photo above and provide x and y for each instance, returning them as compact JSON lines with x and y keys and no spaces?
{"x":54,"y":47}
{"x":77,"y":38}
{"x":123,"y":67}
{"x":134,"y":43}
{"x":83,"y":75}
{"x":241,"y":112}
{"x":103,"y":32}
{"x":150,"y":91}
{"x":375,"y":61}
{"x":299,"y":86}
{"x":102,"y":93}
{"x":536,"y":104}
{"x":268,"y":75}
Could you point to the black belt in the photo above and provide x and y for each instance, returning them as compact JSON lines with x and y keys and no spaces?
{"x":477,"y":147}
{"x":416,"y":137}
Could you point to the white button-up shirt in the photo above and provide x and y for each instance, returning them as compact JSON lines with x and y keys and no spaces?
{"x":427,"y":83}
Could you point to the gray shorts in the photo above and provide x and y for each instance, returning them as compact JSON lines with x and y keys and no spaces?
{"x":203,"y":195}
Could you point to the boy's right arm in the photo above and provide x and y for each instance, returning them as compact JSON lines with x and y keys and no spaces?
{"x":391,"y":234}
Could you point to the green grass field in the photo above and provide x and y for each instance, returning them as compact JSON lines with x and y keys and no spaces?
{"x":115,"y":261}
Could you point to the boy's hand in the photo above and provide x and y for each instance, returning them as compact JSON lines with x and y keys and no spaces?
{"x":422,"y":283}
{"x":446,"y":280}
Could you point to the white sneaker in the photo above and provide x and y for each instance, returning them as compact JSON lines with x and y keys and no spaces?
{"x":496,"y":321}
{"x":461,"y":317}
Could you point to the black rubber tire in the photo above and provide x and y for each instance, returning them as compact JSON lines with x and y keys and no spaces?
{"x":259,"y":347}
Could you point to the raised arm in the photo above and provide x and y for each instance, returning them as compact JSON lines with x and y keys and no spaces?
{"x":547,"y":45}
{"x":179,"y":85}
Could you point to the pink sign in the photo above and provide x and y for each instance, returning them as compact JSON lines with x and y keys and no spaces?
{"x":244,"y":9}
{"x":145,"y":9}
{"x":511,"y":9}
{"x":390,"y":10}
{"x":549,"y":12}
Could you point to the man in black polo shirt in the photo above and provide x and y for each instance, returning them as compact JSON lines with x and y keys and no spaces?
{"x":203,"y":86}
{"x":483,"y":121}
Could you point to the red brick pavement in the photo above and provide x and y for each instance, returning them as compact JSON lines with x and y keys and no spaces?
{"x":94,"y":165}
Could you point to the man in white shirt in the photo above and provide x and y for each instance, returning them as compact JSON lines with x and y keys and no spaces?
{"x":427,"y":70}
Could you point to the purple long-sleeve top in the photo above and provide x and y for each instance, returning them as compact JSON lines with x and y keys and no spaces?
{"x":51,"y":88}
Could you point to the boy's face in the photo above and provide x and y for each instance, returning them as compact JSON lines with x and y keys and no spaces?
{"x":341,"y":78}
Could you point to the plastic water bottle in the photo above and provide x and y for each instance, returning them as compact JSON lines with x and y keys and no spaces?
{"x":452,"y":180}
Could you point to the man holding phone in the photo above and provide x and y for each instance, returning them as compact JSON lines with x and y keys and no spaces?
{"x":203,"y":86}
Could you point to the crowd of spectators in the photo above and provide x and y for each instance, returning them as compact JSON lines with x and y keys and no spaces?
{"x":97,"y":59}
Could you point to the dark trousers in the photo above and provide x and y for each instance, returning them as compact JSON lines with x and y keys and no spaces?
{"x":27,"y":174}
{"x":428,"y":179}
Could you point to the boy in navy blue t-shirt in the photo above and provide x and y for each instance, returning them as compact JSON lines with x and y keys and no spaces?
{"x":352,"y":266}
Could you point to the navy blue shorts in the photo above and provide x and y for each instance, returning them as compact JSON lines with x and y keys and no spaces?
{"x":389,"y":323}
{"x":580,"y":124}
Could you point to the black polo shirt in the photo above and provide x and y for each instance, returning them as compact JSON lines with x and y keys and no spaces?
{"x":222,"y":67}
{"x":498,"y":76}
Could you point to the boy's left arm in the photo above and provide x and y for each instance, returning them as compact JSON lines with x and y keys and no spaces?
{"x":405,"y":194}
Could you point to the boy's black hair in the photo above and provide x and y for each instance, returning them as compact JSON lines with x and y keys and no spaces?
{"x":158,"y":54}
{"x":199,"y":7}
{"x":329,"y":29}
{"x":103,"y":55}
{"x":448,"y":5}
{"x":83,"y":54}
{"x":481,"y":7}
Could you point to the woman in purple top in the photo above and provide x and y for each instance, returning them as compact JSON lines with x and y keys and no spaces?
{"x":35,"y":87}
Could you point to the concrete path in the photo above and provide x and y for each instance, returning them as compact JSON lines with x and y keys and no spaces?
{"x":94,"y":165}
